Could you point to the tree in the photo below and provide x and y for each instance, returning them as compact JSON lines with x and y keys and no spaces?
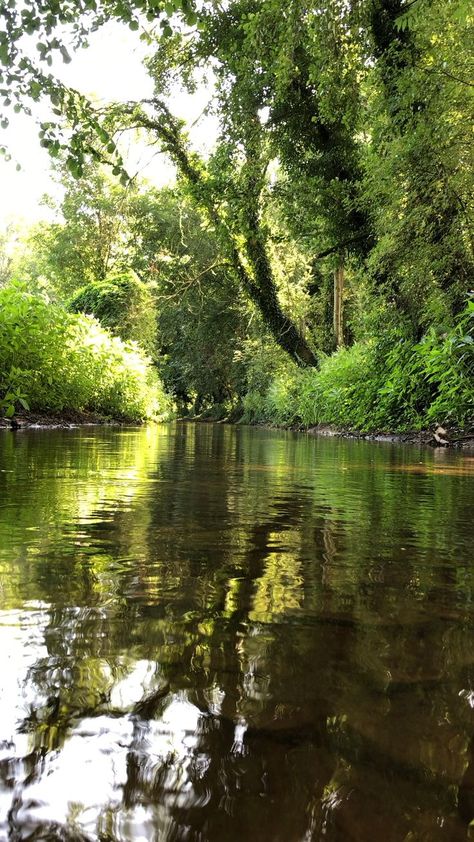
{"x":250,"y":264}
{"x":87,"y":240}
{"x":420,"y":165}
{"x":348,"y":117}
{"x":202,"y":323}
{"x":144,"y":262}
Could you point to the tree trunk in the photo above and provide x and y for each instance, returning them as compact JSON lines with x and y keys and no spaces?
{"x":338,"y":303}
{"x":264,"y":294}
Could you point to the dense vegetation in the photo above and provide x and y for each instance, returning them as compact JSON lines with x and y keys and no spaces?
{"x":318,"y":264}
{"x":53,"y":360}
{"x":386,"y":384}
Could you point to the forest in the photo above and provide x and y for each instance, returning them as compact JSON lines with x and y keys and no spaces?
{"x":315,"y":266}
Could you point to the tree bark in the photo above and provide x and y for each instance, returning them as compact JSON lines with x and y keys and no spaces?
{"x":338,"y":303}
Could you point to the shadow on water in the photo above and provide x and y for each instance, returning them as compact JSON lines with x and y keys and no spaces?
{"x":214,"y":633}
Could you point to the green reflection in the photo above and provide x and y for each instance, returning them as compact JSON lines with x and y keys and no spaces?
{"x":219,"y":633}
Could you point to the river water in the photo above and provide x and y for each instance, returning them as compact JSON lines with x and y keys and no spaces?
{"x":218,"y":633}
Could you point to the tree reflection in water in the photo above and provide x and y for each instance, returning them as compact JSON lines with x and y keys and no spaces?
{"x":211,"y":633}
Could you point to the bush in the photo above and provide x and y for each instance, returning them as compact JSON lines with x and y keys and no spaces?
{"x":53,"y":360}
{"x":124,"y":305}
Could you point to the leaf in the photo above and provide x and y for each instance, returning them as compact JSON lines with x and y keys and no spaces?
{"x":66,"y":57}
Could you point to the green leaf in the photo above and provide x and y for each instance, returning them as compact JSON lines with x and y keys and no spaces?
{"x":66,"y":57}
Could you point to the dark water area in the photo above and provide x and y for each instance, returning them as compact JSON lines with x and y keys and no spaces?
{"x":217,"y":633}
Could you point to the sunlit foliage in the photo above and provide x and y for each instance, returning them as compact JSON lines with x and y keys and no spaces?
{"x":344,"y":151}
{"x":388,"y":383}
{"x":51,"y":359}
{"x":124,"y":305}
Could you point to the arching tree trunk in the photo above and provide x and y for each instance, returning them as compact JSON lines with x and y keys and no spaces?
{"x":252,"y":267}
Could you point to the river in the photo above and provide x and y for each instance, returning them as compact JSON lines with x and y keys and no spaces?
{"x":236,"y":635}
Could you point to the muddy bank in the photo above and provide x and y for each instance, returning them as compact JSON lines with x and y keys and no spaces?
{"x":452,"y":437}
{"x":64,"y":419}
{"x":438,"y":437}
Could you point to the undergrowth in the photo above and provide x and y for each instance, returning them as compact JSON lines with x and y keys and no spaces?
{"x":390,"y":384}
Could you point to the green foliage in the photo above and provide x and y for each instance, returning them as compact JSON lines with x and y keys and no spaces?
{"x":53,"y":360}
{"x":345,"y":140}
{"x":5,"y":255}
{"x":124,"y":305}
{"x":392,"y":384}
{"x":32,"y":34}
{"x":202,"y":320}
{"x":88,"y":239}
{"x":420,"y":162}
{"x":178,"y":286}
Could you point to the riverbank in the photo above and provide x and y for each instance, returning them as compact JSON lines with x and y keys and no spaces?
{"x":439,"y":437}
{"x":60,"y":420}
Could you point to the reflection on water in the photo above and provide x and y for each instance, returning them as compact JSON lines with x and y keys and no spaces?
{"x":212,"y":633}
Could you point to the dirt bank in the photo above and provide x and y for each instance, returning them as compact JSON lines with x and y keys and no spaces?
{"x":67,"y":418}
{"x":437,"y":437}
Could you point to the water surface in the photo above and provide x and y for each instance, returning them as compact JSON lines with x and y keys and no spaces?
{"x":217,"y":633}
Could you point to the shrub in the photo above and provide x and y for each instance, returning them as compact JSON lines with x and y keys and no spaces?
{"x":53,"y":360}
{"x":124,"y":305}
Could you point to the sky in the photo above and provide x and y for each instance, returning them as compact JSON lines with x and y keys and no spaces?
{"x":110,"y":69}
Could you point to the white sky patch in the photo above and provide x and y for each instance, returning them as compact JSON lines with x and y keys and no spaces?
{"x":111,"y":69}
{"x":85,"y":775}
{"x":89,"y":774}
